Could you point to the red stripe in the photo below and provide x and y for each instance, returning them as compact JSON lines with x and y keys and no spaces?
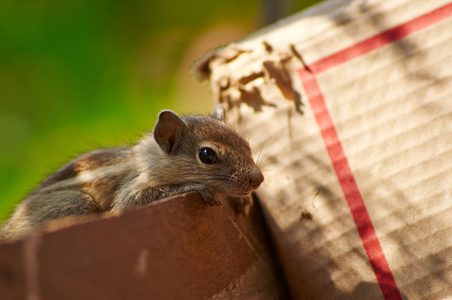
{"x":382,"y":39}
{"x":349,"y":187}
{"x":334,"y":147}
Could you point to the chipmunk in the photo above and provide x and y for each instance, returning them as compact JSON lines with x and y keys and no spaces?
{"x":183,"y":153}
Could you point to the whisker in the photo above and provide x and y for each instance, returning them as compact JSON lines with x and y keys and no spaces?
{"x":245,"y":129}
{"x":263,"y":146}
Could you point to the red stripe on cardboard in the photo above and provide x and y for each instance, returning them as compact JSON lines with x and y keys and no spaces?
{"x":382,"y":39}
{"x":345,"y":176}
{"x":349,"y":187}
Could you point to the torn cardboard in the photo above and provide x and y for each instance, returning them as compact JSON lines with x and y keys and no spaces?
{"x":347,"y":106}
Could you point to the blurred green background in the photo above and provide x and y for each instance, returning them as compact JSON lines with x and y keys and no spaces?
{"x":77,"y":74}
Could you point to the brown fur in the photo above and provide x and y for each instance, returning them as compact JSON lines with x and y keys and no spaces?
{"x":89,"y":161}
{"x":162,"y":164}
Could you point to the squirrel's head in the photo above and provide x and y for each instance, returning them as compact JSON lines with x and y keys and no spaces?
{"x":205,"y":150}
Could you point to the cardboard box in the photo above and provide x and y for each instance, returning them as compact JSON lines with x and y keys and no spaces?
{"x":348,"y":106}
{"x":180,"y":248}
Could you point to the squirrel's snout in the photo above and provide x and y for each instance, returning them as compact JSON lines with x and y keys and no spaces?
{"x":256,"y":178}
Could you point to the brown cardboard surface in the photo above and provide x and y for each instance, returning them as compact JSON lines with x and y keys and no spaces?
{"x":176,"y":249}
{"x":12,"y":272}
{"x":349,"y":109}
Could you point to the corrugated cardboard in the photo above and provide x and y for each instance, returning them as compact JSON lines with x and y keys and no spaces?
{"x":180,"y":248}
{"x":348,"y":106}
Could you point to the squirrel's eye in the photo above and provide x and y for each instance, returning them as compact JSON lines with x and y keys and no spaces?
{"x":208,"y":155}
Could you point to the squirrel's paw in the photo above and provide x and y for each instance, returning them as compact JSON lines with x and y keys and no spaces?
{"x":242,"y":205}
{"x":208,"y":195}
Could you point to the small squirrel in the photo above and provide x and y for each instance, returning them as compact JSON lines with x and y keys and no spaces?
{"x":183,"y":153}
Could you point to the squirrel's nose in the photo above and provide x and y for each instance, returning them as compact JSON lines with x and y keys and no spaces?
{"x":256,"y":178}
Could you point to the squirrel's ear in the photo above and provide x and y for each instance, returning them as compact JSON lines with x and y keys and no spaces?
{"x":219,"y":112}
{"x":168,"y":129}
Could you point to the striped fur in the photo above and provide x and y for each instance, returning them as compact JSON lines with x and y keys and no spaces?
{"x":161,"y":164}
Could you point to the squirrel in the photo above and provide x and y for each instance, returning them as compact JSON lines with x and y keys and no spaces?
{"x":183,"y":153}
